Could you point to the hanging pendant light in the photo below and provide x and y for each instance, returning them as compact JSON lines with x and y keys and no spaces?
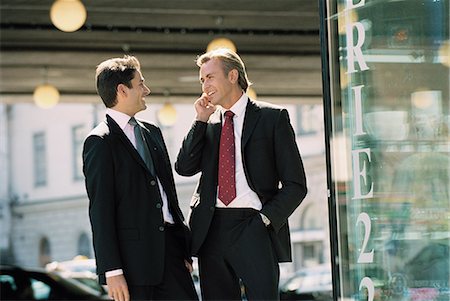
{"x":221,"y":43}
{"x":444,"y":53}
{"x":46,"y":95}
{"x":251,"y":93}
{"x":167,"y":115}
{"x":68,"y":15}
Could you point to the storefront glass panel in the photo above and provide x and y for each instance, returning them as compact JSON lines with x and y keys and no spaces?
{"x":387,"y":107}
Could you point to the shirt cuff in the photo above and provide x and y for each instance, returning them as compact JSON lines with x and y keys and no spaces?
{"x":114,"y":273}
{"x":265,"y":219}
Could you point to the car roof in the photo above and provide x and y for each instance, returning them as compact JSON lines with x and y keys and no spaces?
{"x":10,"y":267}
{"x":76,"y":265}
{"x":40,"y":273}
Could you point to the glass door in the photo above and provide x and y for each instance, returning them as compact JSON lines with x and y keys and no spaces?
{"x":387,"y":94}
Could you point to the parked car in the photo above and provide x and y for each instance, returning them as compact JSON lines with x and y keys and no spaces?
{"x":81,"y":269}
{"x":313,"y":283}
{"x":77,"y":264}
{"x":37,"y":284}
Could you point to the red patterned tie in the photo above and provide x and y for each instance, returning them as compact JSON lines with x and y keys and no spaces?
{"x":227,"y":161}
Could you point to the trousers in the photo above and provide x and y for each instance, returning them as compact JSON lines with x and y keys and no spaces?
{"x":237,"y":258}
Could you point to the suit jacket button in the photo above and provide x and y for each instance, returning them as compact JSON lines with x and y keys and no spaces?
{"x":158,"y":205}
{"x":211,"y":208}
{"x":161,"y":228}
{"x":153,"y":182}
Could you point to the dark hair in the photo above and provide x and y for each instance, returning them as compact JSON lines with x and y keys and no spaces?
{"x":113,"y":72}
{"x":230,"y":60}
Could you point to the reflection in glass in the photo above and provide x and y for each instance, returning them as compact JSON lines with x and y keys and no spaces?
{"x":390,"y":147}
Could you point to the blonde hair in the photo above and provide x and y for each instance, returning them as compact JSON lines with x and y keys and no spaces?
{"x":230,"y":60}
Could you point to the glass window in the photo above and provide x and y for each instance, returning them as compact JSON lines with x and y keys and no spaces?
{"x":308,"y":119}
{"x":21,"y":286}
{"x":84,"y":245}
{"x":309,"y":219}
{"x":388,"y":116}
{"x":308,"y":252}
{"x":8,"y":287}
{"x":44,"y":252}
{"x":40,"y":159}
{"x":41,"y":290}
{"x":78,"y":135}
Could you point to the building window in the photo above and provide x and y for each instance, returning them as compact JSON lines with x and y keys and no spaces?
{"x":309,"y":119}
{"x":84,"y":245}
{"x":308,"y":254}
{"x":77,"y":148}
{"x":310,"y":220}
{"x":312,"y":253}
{"x":44,"y":252}
{"x":40,"y":161}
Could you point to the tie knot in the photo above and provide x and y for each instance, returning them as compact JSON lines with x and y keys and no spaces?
{"x":229,"y":114}
{"x":132,"y":122}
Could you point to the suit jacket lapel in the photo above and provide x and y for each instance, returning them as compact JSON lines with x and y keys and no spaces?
{"x":117,"y":131}
{"x":213,"y":132}
{"x":163,"y":171}
{"x":252,"y":114}
{"x":156,"y":149}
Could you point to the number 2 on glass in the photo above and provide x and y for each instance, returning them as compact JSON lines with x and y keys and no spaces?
{"x":365,"y":257}
{"x":368,"y":283}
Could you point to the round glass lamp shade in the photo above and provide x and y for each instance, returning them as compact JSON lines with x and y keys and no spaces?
{"x":46,"y":96}
{"x":167,"y":115}
{"x":444,"y":53}
{"x":68,"y":15}
{"x":251,"y":93}
{"x":221,"y":43}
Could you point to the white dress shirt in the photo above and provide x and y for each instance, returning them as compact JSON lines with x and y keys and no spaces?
{"x":122,"y":120}
{"x":245,"y":197}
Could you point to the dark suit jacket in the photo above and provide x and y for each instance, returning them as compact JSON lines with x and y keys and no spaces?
{"x":270,"y":157}
{"x":125,"y":204}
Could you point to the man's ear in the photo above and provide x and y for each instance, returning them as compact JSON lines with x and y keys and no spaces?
{"x":122,"y":90}
{"x":233,"y":76}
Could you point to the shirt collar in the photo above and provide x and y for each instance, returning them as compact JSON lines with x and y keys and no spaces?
{"x":239,"y":107}
{"x":120,"y":118}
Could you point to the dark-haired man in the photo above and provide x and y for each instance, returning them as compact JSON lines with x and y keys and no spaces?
{"x":140,"y":239}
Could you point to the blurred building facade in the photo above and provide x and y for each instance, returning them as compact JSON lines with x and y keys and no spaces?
{"x":44,"y":206}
